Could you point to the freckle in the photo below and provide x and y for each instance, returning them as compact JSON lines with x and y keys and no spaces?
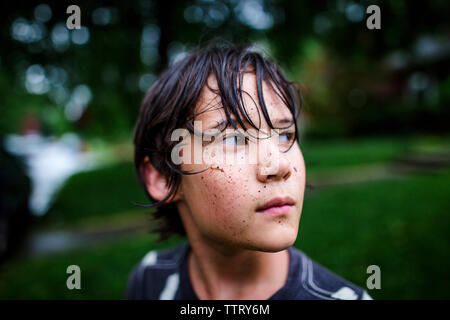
{"x":259,"y":190}
{"x":264,"y":186}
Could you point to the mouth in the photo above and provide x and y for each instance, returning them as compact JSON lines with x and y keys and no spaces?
{"x":277,"y":206}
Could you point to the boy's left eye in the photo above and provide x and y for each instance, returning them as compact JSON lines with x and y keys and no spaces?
{"x":235,"y":140}
{"x":286,"y":137}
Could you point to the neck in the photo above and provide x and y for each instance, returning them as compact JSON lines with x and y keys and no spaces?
{"x":219,"y":272}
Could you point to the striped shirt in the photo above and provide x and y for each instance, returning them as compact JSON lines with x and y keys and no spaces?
{"x":163,"y":275}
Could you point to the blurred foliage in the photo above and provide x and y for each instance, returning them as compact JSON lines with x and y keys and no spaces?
{"x":355,"y":80}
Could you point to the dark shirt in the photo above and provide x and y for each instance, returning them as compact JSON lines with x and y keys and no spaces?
{"x":164,"y":275}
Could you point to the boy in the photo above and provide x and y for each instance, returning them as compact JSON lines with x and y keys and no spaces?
{"x":240,"y":205}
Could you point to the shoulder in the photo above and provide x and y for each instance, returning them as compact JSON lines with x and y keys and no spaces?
{"x":155,"y":275}
{"x":320,"y":283}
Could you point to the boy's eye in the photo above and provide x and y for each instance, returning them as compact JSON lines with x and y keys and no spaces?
{"x":235,"y":140}
{"x":286,"y":137}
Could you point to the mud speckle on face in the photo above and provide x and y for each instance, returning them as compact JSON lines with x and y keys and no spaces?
{"x":217,"y":168}
{"x":295,"y":169}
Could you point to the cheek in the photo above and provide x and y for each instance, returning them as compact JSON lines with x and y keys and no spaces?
{"x":221,"y":198}
{"x":298,"y":163}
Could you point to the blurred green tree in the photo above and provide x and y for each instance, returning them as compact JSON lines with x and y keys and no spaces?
{"x":356,"y":81}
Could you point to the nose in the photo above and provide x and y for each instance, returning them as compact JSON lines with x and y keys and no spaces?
{"x":272,"y":163}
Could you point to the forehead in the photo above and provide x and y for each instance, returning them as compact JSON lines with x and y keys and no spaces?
{"x":209,"y":108}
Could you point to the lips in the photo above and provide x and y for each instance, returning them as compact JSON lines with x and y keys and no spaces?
{"x":279,"y":205}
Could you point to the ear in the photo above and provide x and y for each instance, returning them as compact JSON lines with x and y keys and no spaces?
{"x":155,"y":182}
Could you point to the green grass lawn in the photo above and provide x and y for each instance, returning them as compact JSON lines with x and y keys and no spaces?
{"x":104,"y":271}
{"x":402,"y":226}
{"x":324,"y":156}
{"x":96,"y":195}
{"x":345,"y":153}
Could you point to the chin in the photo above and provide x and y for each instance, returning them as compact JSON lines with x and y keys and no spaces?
{"x":276,"y":241}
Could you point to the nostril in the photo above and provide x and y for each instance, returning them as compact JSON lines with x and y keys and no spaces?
{"x":287,"y":175}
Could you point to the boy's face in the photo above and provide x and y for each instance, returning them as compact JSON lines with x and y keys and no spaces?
{"x":221,"y":204}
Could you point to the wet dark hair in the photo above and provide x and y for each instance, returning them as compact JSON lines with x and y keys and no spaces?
{"x":170,"y":102}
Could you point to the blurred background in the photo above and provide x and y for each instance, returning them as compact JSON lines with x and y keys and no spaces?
{"x":374,"y":133}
